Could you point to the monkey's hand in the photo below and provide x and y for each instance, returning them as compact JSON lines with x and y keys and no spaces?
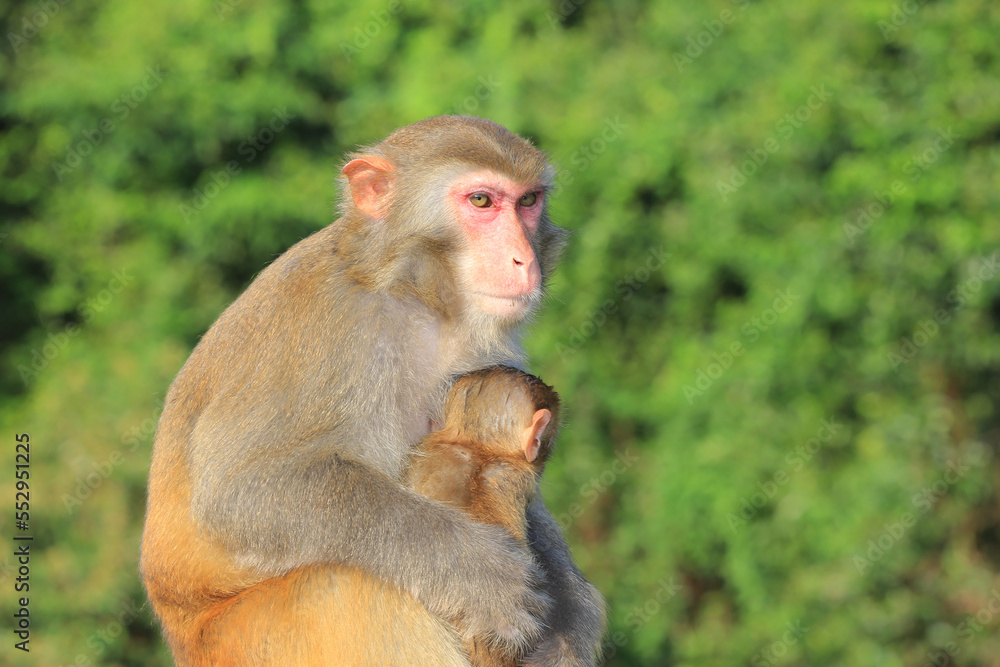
{"x":577,"y":618}
{"x":497,"y":593}
{"x":575,"y":639}
{"x":469,"y":573}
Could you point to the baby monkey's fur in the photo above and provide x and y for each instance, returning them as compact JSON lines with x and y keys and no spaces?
{"x":499,"y":427}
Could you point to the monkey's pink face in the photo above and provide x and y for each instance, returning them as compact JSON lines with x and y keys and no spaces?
{"x":499,"y":217}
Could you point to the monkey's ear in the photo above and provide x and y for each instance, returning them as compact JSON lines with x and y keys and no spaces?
{"x":370,"y":178}
{"x":531,"y":441}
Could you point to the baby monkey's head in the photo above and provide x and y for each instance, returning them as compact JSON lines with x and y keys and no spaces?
{"x":499,"y":427}
{"x":506,"y":410}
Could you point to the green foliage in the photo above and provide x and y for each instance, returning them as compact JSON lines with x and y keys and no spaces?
{"x":777,"y":328}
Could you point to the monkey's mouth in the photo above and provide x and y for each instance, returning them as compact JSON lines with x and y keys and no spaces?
{"x":512,"y":306}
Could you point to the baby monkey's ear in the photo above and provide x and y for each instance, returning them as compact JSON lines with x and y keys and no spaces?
{"x":531,"y":439}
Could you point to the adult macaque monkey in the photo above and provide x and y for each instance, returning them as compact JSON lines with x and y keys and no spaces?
{"x":277,"y":468}
{"x":499,"y":424}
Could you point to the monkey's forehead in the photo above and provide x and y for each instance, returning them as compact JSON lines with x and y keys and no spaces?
{"x":496,"y":183}
{"x":469,"y":140}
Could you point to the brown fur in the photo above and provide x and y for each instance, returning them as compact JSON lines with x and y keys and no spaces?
{"x":477,"y":463}
{"x":276,"y":513}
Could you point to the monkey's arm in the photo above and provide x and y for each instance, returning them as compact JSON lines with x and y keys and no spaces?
{"x":277,"y":513}
{"x":577,"y":618}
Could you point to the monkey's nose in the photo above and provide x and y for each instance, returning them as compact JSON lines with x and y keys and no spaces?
{"x":527,"y":273}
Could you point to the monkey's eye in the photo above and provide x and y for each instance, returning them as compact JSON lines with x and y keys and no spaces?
{"x":528,"y":199}
{"x":481,"y":200}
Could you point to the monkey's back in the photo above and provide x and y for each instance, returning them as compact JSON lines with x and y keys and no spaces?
{"x":216,"y":411}
{"x":180,"y":567}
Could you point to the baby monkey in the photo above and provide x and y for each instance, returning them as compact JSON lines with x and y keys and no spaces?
{"x":498,"y":432}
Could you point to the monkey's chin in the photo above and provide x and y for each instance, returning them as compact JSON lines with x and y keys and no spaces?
{"x":511,"y":308}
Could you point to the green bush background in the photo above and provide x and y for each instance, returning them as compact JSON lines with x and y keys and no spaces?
{"x":838,"y":476}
